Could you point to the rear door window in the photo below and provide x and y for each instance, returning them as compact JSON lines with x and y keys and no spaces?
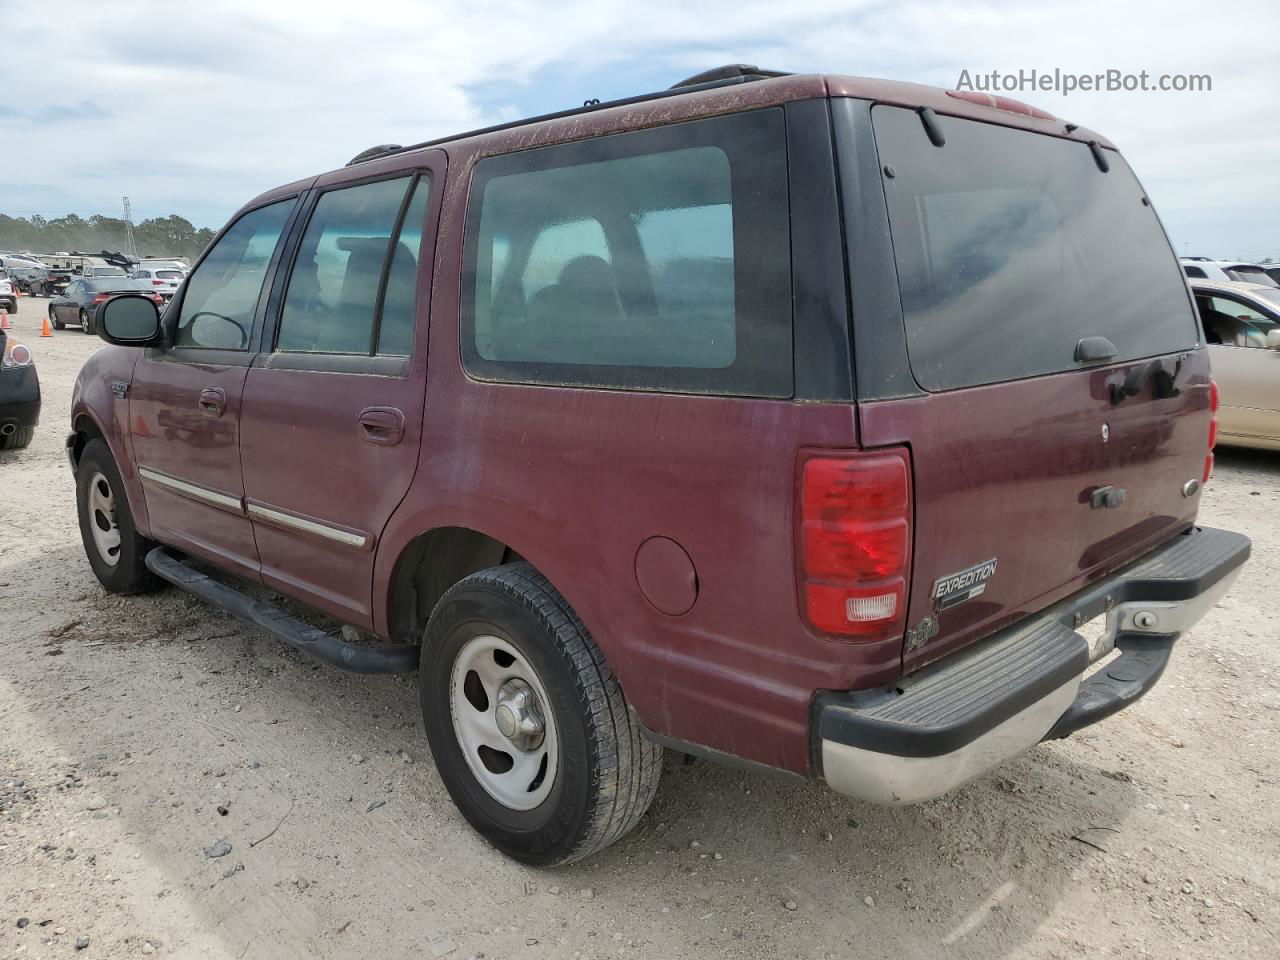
{"x":336,"y":301}
{"x":654,"y":260}
{"x":1012,"y":246}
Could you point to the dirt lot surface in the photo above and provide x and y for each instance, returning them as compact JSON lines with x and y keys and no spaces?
{"x":175,"y":783}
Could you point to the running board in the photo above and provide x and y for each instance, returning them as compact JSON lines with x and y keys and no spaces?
{"x":384,"y":658}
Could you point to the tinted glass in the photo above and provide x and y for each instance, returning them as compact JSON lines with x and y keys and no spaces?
{"x":1013,"y":246}
{"x":1247,"y":274}
{"x":399,"y":304}
{"x":106,"y":284}
{"x":651,"y":260}
{"x":168,"y":274}
{"x":333,"y":289}
{"x":1194,"y":272}
{"x":228,"y":281}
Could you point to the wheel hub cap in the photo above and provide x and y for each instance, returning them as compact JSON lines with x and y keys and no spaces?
{"x":518,"y":715}
{"x":101,"y":507}
{"x":503,"y":722}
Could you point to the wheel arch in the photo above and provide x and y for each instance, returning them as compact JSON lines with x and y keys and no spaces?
{"x":428,"y":565}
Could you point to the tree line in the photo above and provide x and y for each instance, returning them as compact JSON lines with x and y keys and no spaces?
{"x":171,"y":236}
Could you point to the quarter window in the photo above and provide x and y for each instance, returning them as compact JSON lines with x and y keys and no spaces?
{"x":1232,"y":323}
{"x":222,"y":294}
{"x":654,"y":260}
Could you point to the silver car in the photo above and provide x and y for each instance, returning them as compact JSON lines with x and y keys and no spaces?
{"x":1242,"y":325}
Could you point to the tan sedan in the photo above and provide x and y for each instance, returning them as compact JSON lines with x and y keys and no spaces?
{"x":1242,"y":325}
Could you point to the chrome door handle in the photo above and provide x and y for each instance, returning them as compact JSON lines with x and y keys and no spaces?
{"x":383,"y":426}
{"x":213,"y":400}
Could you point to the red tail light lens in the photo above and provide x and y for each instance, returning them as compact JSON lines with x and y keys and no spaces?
{"x":157,"y":283}
{"x":855,"y":542}
{"x":101,"y":298}
{"x":1213,"y":396}
{"x":1208,"y":469}
{"x":1214,"y":400}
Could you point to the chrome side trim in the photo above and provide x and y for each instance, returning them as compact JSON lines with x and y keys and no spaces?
{"x":335,"y":534}
{"x":192,"y":490}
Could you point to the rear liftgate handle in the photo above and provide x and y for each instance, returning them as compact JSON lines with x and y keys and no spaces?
{"x":382,"y":425}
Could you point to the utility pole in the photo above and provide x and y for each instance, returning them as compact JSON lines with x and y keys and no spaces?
{"x":131,"y":248}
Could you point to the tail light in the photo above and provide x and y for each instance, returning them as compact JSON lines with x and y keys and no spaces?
{"x":1213,"y":430}
{"x":855,"y":542}
{"x":157,"y":283}
{"x":101,"y":298}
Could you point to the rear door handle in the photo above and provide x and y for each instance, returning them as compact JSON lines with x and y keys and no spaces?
{"x":213,"y":400}
{"x":382,"y":425}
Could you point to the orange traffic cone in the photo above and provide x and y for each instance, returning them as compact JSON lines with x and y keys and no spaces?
{"x":44,"y":327}
{"x":4,"y":320}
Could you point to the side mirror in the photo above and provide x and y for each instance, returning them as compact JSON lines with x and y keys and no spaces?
{"x":1273,"y":339}
{"x":129,"y":320}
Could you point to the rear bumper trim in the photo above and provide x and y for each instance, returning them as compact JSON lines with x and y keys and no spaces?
{"x":958,"y":718}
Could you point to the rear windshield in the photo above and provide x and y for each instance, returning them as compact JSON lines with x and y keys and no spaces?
{"x":169,"y":274}
{"x":112,"y":285}
{"x":1250,"y":274}
{"x":1013,"y":246}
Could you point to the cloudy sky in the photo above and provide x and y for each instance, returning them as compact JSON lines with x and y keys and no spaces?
{"x":192,"y":109}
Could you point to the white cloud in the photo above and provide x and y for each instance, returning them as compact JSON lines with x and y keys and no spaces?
{"x":202,"y":108}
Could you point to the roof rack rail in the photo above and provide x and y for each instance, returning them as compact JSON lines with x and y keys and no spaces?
{"x":726,"y":76}
{"x":372,"y":152}
{"x":746,"y":71}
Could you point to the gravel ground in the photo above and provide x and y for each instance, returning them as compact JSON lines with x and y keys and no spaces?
{"x":174,"y":783}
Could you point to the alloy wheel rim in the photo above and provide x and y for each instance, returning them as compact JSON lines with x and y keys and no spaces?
{"x":100,"y":502}
{"x":503,"y":722}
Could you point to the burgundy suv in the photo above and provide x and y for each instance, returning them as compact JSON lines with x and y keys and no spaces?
{"x":794,"y":421}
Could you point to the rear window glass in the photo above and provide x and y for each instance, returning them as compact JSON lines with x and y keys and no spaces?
{"x":1195,"y":272}
{"x":169,"y":274}
{"x":1247,"y":274}
{"x":1013,"y":246}
{"x":654,"y":260}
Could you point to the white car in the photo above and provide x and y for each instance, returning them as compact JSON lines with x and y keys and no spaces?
{"x":165,"y":280}
{"x":1226,"y":271}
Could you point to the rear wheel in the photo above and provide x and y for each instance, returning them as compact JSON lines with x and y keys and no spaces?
{"x":115,"y":550}
{"x":86,"y":325}
{"x":528,"y":725}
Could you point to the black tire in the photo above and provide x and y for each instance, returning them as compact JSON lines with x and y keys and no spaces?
{"x":18,"y":439}
{"x":53,"y":319}
{"x":86,"y":324}
{"x":607,"y":772}
{"x":129,"y":573}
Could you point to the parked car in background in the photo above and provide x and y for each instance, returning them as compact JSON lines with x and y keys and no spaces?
{"x":1242,"y":325}
{"x":79,"y":302}
{"x":22,"y":270}
{"x":1273,"y":272}
{"x":19,"y":393}
{"x":52,"y":282}
{"x":700,"y":459}
{"x":8,"y":293}
{"x":164,"y":281}
{"x":1227,"y":271}
{"x":160,"y":263}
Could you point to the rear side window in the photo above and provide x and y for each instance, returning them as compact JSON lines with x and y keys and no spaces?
{"x":1195,"y":272}
{"x":218,"y":306}
{"x":654,"y":260}
{"x":1013,"y":246}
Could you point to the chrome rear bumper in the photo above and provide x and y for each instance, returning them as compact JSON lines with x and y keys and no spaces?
{"x":959,"y":718}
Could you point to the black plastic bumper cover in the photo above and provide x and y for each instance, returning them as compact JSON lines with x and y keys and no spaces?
{"x":967,"y":694}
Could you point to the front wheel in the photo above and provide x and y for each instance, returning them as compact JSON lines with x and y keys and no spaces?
{"x":528,"y":725}
{"x":115,"y":550}
{"x":53,"y":318}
